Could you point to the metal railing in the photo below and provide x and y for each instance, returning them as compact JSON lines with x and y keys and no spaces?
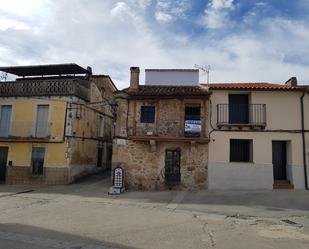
{"x":241,"y":114}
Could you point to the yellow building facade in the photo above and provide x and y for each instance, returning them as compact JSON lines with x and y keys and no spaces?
{"x":54,"y":130}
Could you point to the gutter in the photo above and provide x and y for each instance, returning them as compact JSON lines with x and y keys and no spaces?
{"x":303,"y":138}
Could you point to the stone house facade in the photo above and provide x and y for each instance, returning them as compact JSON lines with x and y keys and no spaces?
{"x":55,"y":124}
{"x":153,"y":141}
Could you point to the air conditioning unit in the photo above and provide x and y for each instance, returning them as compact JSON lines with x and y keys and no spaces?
{"x":149,"y":133}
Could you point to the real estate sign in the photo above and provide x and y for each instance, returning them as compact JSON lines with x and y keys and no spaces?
{"x":193,"y":127}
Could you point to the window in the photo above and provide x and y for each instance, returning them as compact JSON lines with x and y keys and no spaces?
{"x":101,"y":126}
{"x":38,"y":154}
{"x":42,"y":126}
{"x":5,"y":120}
{"x":193,"y":121}
{"x":238,"y":108}
{"x":240,"y":150}
{"x":147,"y":114}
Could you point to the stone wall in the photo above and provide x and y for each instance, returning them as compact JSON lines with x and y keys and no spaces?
{"x":144,"y":163}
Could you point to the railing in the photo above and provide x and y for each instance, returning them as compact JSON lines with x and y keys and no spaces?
{"x":27,"y":130}
{"x":44,"y":87}
{"x":241,"y":115}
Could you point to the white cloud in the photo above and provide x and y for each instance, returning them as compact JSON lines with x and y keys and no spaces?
{"x":217,"y":14}
{"x":6,"y":24}
{"x":121,"y":9}
{"x":111,"y":36}
{"x":221,"y":4}
{"x":163,"y":17}
{"x":168,"y":10}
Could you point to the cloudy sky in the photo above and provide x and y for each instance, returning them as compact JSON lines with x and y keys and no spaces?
{"x":242,"y":40}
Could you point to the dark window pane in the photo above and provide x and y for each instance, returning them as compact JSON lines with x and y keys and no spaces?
{"x":193,"y":113}
{"x":38,"y":155}
{"x":238,"y":108}
{"x":147,"y":114}
{"x":240,"y":150}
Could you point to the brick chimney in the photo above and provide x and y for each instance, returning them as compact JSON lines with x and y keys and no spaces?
{"x":134,"y":79}
{"x":291,"y":82}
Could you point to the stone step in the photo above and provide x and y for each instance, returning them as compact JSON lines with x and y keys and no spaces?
{"x":283,"y":184}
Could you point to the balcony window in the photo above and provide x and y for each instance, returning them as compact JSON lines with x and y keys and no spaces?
{"x":238,"y":109}
{"x":193,"y":121}
{"x":38,"y":154}
{"x":5,"y":120}
{"x":42,"y":125}
{"x":240,"y":150}
{"x":148,"y":114}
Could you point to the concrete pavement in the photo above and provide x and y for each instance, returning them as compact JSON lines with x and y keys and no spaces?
{"x":83,"y":216}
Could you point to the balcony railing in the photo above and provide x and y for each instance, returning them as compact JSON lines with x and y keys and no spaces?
{"x":252,"y":115}
{"x":45,"y":87}
{"x":27,"y":130}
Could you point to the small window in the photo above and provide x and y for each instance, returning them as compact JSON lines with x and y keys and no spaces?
{"x":101,"y":126}
{"x":147,"y":114}
{"x":241,"y":150}
{"x":38,"y":154}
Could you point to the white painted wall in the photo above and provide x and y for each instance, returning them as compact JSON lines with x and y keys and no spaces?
{"x":283,"y":112}
{"x":240,"y":176}
{"x":180,"y":77}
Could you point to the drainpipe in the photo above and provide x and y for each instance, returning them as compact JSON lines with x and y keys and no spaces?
{"x":303,"y":138}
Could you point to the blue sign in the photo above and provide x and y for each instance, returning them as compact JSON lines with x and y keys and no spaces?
{"x":193,"y":127}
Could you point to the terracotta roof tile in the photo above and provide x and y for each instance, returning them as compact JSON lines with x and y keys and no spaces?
{"x":259,"y":85}
{"x":168,"y":91}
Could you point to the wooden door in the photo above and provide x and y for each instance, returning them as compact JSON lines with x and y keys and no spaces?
{"x":279,"y":160}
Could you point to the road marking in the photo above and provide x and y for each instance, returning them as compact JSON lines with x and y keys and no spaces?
{"x":45,"y":242}
{"x":177,"y":200}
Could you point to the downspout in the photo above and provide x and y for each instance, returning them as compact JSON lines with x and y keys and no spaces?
{"x":303,"y":138}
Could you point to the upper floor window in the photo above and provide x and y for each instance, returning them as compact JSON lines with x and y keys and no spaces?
{"x":148,"y":114}
{"x":193,"y":121}
{"x":42,"y":125}
{"x":37,"y":160}
{"x":5,"y":120}
{"x":101,"y":126}
{"x":240,"y":150}
{"x":238,"y":108}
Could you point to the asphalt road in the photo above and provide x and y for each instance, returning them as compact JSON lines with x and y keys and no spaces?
{"x":83,"y":216}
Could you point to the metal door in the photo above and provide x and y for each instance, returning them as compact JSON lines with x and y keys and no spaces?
{"x":172,"y":166}
{"x":279,"y":160}
{"x":3,"y":162}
